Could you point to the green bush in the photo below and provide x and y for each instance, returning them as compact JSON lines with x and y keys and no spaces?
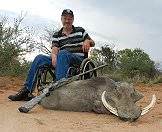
{"x":15,"y":41}
{"x":135,"y":63}
{"x":157,"y":80}
{"x":17,"y":69}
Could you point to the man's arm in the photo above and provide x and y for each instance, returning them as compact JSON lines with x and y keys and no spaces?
{"x":55,"y":48}
{"x":54,"y":53}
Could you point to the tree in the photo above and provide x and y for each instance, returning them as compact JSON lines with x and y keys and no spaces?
{"x":45,"y":39}
{"x":104,"y":55}
{"x":15,"y":41}
{"x":109,"y":56}
{"x":95,"y":55}
{"x":135,"y":62}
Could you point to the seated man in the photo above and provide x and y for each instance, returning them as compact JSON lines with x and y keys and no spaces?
{"x":65,"y":51}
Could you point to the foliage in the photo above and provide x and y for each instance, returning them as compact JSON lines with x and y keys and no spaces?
{"x":45,"y":39}
{"x":104,"y":55}
{"x":135,"y":63}
{"x":128,"y":64}
{"x":15,"y":41}
{"x":96,"y":56}
{"x":157,"y":80}
{"x":109,"y":56}
{"x":18,"y":69}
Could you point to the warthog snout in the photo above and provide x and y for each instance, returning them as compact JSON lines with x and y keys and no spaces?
{"x":129,"y":114}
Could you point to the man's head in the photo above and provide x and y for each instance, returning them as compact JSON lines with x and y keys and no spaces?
{"x":67,"y":18}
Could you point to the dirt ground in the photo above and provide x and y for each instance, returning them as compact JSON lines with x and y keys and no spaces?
{"x":42,"y":120}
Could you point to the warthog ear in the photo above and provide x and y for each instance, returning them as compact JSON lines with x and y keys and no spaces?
{"x":136,"y":96}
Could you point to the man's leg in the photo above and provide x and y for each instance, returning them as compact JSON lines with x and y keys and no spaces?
{"x":64,"y":60}
{"x":29,"y":85}
{"x":38,"y":62}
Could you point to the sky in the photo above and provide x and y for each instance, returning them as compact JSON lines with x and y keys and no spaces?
{"x":124,"y":23}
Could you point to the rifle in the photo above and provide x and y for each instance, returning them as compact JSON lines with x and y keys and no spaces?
{"x":26,"y":107}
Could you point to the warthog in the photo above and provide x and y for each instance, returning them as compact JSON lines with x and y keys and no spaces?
{"x":101,"y":95}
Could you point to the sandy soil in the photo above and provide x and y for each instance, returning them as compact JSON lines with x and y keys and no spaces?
{"x":42,"y":120}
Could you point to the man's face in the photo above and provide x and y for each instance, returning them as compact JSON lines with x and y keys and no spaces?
{"x":67,"y":21}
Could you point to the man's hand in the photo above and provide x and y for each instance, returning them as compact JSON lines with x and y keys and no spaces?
{"x":86,"y":45}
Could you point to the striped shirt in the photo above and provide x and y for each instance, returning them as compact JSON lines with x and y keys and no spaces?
{"x":73,"y":42}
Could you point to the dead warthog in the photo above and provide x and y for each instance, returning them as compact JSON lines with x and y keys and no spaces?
{"x":101,"y":95}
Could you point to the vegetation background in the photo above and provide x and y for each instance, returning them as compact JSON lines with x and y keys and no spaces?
{"x":133,"y":65}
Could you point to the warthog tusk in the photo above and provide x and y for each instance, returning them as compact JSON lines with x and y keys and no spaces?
{"x":151,"y":105}
{"x":108,"y":107}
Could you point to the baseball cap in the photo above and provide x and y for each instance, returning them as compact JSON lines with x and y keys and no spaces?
{"x":67,"y":12}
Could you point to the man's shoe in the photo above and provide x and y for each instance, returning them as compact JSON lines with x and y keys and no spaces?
{"x":21,"y":95}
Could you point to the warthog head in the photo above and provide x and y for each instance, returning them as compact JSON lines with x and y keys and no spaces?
{"x":120,"y":100}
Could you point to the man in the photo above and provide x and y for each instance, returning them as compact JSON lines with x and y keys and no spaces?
{"x":70,"y":45}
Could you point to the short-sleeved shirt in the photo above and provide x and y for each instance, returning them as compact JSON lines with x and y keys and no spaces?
{"x":73,"y":42}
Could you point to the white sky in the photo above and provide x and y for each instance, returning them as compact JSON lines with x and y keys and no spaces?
{"x":129,"y":24}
